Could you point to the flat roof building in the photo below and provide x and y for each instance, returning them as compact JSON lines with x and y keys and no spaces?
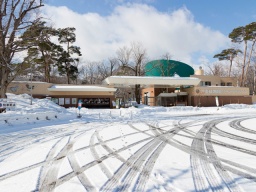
{"x":195,"y":90}
{"x":91,"y":96}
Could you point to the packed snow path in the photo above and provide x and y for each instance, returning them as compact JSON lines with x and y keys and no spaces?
{"x":182,"y":153}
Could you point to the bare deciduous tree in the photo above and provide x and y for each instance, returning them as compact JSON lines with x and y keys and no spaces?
{"x":103,"y":71}
{"x":88,"y":73}
{"x":113,"y":62}
{"x":217,"y":69}
{"x":124,"y":56}
{"x":132,"y":61}
{"x":167,"y":56}
{"x":15,"y":17}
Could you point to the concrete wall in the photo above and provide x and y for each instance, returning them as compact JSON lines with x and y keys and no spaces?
{"x":254,"y":99}
{"x":218,"y":91}
{"x":207,"y":101}
{"x":216,"y":81}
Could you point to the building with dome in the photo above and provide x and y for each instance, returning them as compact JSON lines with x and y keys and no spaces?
{"x":166,"y":83}
{"x":168,"y":68}
{"x":173,"y":83}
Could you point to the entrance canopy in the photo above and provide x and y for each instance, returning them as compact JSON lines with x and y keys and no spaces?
{"x":157,"y":82}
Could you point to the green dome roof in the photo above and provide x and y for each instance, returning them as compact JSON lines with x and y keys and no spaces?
{"x":168,"y":68}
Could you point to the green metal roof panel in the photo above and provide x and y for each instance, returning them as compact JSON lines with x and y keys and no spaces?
{"x":168,"y":68}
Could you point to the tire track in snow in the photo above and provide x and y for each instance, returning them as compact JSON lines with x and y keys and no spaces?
{"x":209,"y":179}
{"x":104,"y":169}
{"x":140,"y":170}
{"x":115,"y":183}
{"x":226,"y":177}
{"x":203,"y":177}
{"x":236,"y":124}
{"x":22,"y":142}
{"x":51,"y":176}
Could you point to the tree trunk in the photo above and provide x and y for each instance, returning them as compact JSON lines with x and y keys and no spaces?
{"x":243,"y":67}
{"x":137,"y":93}
{"x":249,"y":61}
{"x":4,"y":83}
{"x":230,"y":67}
{"x":68,"y":78}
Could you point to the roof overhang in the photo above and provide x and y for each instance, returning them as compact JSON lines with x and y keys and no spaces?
{"x":81,"y":88}
{"x":172,"y":94}
{"x":130,"y":81}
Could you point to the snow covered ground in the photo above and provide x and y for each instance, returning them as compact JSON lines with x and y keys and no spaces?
{"x":44,"y":147}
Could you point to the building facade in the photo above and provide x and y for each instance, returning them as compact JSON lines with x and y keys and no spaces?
{"x":215,"y":90}
{"x":66,"y":95}
{"x":211,"y":91}
{"x":196,"y":90}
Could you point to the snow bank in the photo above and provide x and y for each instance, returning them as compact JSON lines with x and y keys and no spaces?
{"x":23,"y":103}
{"x":45,"y":110}
{"x":238,"y":106}
{"x":13,"y":119}
{"x":24,"y":112}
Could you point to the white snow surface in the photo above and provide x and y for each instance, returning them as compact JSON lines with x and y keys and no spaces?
{"x":45,"y":147}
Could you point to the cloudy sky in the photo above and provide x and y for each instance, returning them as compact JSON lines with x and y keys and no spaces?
{"x":192,"y":31}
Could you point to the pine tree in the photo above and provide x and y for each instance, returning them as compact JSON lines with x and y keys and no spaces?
{"x":229,"y":55}
{"x":66,"y":62}
{"x":43,"y":48}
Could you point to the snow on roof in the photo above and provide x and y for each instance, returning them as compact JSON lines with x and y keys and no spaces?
{"x":39,"y":82}
{"x":167,"y":95}
{"x":153,"y":77}
{"x":80,"y":88}
{"x":151,"y":80}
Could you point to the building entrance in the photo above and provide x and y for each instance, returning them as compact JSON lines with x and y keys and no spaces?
{"x":96,"y":102}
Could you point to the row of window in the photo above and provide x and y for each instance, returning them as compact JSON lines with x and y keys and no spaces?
{"x":208,"y":83}
{"x":95,"y":101}
{"x":73,"y":101}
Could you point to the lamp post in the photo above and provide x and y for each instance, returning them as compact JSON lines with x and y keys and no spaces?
{"x":31,"y":86}
{"x":254,"y":79}
{"x":146,"y":98}
{"x":129,"y":103}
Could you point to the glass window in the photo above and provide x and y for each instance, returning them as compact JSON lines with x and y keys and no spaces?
{"x":67,"y":101}
{"x":207,"y":83}
{"x":61,"y":101}
{"x":74,"y":100}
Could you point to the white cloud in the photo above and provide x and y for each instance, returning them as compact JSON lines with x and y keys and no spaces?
{"x":177,"y":32}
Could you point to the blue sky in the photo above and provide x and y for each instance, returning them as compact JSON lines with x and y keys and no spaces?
{"x":217,"y":18}
{"x":223,"y":15}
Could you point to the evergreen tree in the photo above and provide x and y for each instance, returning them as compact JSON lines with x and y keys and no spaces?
{"x":43,"y":48}
{"x":245,"y":34}
{"x":228,"y":54}
{"x":251,"y":36}
{"x":66,"y":62}
{"x":238,"y":35}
